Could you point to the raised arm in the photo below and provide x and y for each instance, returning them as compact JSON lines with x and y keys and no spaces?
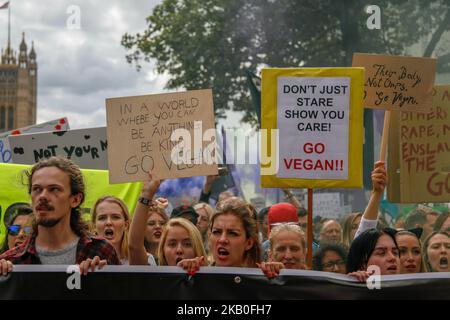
{"x":292,"y":198}
{"x":370,"y":216}
{"x":206,"y":191}
{"x":138,"y":254}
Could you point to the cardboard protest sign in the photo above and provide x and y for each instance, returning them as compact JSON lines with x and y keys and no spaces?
{"x":54,"y":125}
{"x":14,"y":192}
{"x":172,"y":135}
{"x":397,"y":82}
{"x":420,"y":164}
{"x":318,"y":113}
{"x":86,"y":147}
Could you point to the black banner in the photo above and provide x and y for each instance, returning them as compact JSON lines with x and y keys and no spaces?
{"x":213,"y":283}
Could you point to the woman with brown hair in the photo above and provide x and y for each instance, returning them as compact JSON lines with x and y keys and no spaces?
{"x":18,"y":228}
{"x":436,"y":253}
{"x":147,"y":226}
{"x":233,"y":237}
{"x":410,"y":250}
{"x":157,"y":219}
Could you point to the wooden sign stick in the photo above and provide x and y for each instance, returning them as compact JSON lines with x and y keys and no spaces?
{"x":385,"y":136}
{"x":310,"y":227}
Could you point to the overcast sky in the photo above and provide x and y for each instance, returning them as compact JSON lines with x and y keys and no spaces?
{"x":78,"y":69}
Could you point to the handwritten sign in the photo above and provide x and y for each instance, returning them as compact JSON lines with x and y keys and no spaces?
{"x":424,"y":152}
{"x":54,"y":125}
{"x":396,"y":82}
{"x":316,"y":113}
{"x":86,"y":147}
{"x":327,"y":205}
{"x":172,"y":135}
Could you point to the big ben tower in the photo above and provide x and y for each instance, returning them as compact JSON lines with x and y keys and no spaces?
{"x":18,"y":84}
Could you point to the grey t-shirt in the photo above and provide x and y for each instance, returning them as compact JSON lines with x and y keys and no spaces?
{"x":65,"y":256}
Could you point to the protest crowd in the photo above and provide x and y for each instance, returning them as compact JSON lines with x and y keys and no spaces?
{"x":317,"y":117}
{"x":232,"y":234}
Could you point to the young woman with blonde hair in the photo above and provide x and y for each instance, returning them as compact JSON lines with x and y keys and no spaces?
{"x":111,"y":220}
{"x":180,"y":240}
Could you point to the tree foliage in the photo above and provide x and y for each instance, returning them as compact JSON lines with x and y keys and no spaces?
{"x":211,"y":43}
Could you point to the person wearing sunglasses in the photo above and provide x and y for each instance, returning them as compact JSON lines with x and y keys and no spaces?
{"x":18,"y":229}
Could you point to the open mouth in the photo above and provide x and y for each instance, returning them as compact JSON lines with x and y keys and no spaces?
{"x":178,"y":260}
{"x":109,"y":234}
{"x":18,"y":243}
{"x":392,"y":268}
{"x":443,"y":262}
{"x":157,"y":234}
{"x":222,"y":253}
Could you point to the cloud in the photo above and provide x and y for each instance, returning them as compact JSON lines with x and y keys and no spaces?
{"x":78,"y":69}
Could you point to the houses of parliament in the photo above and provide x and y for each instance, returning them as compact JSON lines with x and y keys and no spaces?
{"x":18,"y":87}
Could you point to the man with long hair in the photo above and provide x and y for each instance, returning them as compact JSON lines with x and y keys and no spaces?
{"x":57,"y":190}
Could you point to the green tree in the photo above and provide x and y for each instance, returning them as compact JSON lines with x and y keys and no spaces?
{"x":211,"y":43}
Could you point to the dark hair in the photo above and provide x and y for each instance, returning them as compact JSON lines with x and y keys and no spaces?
{"x":416,"y":233}
{"x":77,"y":186}
{"x":318,"y":256}
{"x":440,"y":221}
{"x":415,"y":217}
{"x":301,"y":212}
{"x":22,"y":210}
{"x":363,"y":246}
{"x":12,"y":210}
{"x":262,"y":213}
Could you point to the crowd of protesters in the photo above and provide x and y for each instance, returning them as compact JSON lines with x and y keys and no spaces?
{"x":51,"y":230}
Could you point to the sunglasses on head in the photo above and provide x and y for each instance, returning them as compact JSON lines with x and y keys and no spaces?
{"x":276,"y":224}
{"x":14,"y":230}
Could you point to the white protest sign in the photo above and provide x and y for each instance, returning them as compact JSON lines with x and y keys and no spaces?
{"x":327,"y":205}
{"x":85,"y":147}
{"x":54,"y":125}
{"x":313,"y":123}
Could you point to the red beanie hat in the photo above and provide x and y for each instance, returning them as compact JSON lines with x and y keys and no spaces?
{"x":282,"y":212}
